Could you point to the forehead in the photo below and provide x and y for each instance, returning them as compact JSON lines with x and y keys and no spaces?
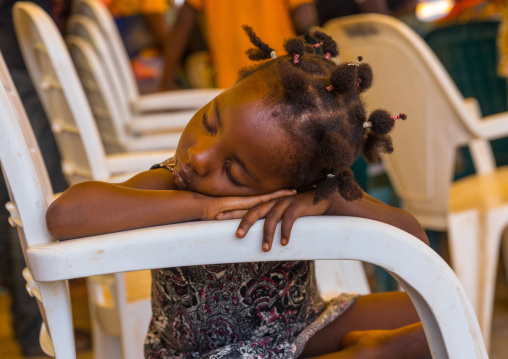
{"x":249,"y":126}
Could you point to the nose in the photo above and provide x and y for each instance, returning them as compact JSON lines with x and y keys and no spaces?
{"x":201,"y":158}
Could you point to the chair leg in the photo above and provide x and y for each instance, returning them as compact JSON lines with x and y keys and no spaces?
{"x":134,"y":328}
{"x":504,"y":252}
{"x":106,"y":341}
{"x":58,"y":316}
{"x":464,"y":229}
{"x":488,"y":255}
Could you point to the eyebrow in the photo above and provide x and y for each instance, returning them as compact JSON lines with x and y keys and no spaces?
{"x":240,"y":162}
{"x":216,"y":110}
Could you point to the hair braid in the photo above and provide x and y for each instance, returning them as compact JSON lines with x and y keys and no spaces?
{"x":262,"y":52}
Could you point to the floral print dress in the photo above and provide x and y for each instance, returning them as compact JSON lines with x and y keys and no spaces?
{"x":240,"y":310}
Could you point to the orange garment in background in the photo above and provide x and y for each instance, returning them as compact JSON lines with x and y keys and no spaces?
{"x":270,"y":19}
{"x":136,"y":7}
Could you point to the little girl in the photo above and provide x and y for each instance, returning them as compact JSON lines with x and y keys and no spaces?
{"x":277,"y":145}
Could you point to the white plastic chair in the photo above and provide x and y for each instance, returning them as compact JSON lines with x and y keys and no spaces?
{"x":128,"y":294}
{"x":410,"y":79}
{"x":447,"y":315}
{"x":174,"y":100}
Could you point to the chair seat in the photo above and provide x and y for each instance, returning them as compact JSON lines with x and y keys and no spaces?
{"x":138,"y":285}
{"x":480,"y":191}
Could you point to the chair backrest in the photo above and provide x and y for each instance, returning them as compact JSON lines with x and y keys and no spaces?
{"x":23,"y":166}
{"x":100,"y":95}
{"x":61,"y":94}
{"x":409,"y":78}
{"x":87,"y":29}
{"x":468,"y":52}
{"x":97,"y":11}
{"x":26,"y":128}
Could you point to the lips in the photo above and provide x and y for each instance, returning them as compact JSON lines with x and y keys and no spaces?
{"x":180,"y":179}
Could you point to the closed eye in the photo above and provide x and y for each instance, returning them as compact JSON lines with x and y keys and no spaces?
{"x":207,"y":126}
{"x":230,"y":176}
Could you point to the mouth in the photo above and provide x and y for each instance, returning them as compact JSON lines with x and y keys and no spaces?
{"x":180,"y":179}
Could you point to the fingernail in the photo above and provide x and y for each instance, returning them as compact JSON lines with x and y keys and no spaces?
{"x":294,"y":191}
{"x":219,"y":215}
{"x":284,"y":241}
{"x":266,"y":248}
{"x":239,"y":232}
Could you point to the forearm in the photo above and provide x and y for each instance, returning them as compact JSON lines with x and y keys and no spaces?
{"x":92,"y":208}
{"x":157,"y":27}
{"x":175,"y":43}
{"x":369,"y":207}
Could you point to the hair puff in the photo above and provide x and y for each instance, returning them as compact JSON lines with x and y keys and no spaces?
{"x":344,"y":182}
{"x":344,"y":78}
{"x":382,"y":122}
{"x":329,"y":44}
{"x":295,"y":46}
{"x":374,"y":144}
{"x":365,"y":77}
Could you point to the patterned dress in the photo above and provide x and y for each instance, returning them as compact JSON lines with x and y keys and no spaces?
{"x":241,"y":310}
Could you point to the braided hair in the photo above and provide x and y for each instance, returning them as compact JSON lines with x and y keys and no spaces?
{"x":317,"y":103}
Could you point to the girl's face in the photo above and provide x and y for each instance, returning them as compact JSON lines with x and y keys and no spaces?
{"x":232,"y":146}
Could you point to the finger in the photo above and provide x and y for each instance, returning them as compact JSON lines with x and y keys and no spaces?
{"x":288,"y":219}
{"x":251,"y":217}
{"x":235,"y":214}
{"x":277,"y":194}
{"x":233,"y":203}
{"x":272,"y":219}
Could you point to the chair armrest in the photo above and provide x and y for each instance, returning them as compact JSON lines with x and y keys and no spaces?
{"x":446,"y":313}
{"x":174,"y":100}
{"x":121,"y":163}
{"x":493,"y":126}
{"x":473,"y":107}
{"x":156,"y":122}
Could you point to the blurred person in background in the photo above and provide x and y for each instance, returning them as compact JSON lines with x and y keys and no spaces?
{"x":143,"y":27}
{"x":330,"y":9}
{"x":272,"y":19}
{"x":502,"y":43}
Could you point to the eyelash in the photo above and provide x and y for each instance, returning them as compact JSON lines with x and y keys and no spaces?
{"x":228,"y":172}
{"x":207,"y":126}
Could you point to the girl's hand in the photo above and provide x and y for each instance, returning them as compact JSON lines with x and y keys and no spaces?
{"x":232,"y":207}
{"x":286,"y":209}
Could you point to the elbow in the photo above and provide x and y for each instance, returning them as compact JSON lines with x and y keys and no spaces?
{"x":64,"y":215}
{"x":55,"y":220}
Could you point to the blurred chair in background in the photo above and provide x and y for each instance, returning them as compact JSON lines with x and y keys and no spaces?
{"x":411,"y":79}
{"x":469,"y":54}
